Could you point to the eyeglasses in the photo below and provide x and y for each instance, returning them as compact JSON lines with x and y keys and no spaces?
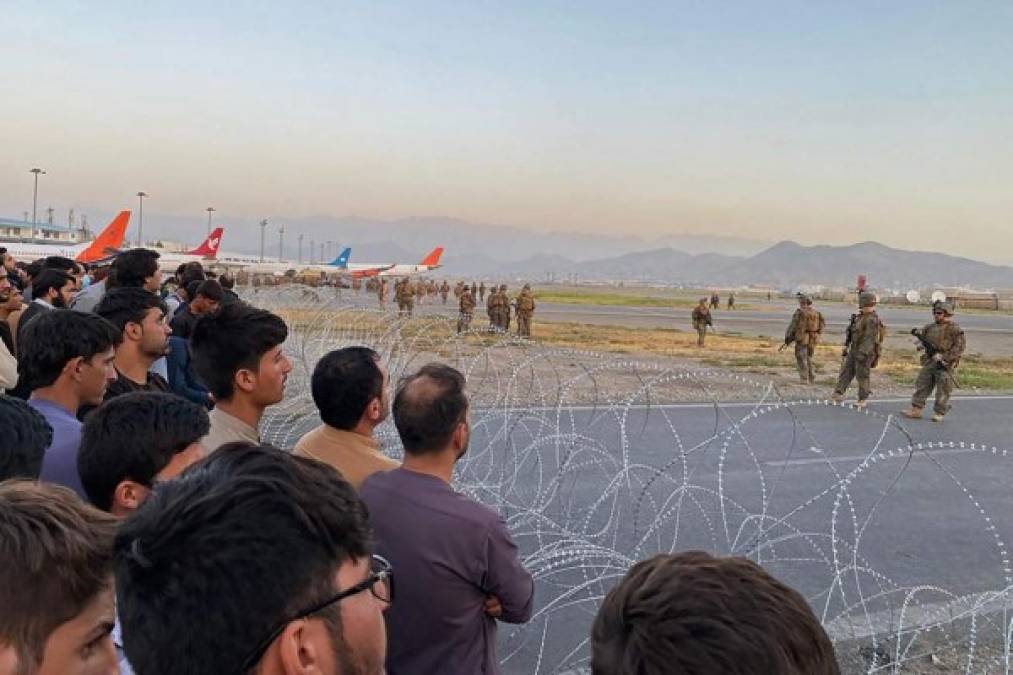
{"x":380,"y":583}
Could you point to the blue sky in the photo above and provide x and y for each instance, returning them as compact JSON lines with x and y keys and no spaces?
{"x":821,"y":122}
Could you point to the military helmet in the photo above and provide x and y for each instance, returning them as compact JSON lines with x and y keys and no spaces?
{"x":502,"y":287}
{"x":944,"y":305}
{"x":866,"y":299}
{"x":527,"y":287}
{"x":804,"y":298}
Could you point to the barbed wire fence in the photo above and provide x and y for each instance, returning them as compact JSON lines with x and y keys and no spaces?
{"x":597,"y":462}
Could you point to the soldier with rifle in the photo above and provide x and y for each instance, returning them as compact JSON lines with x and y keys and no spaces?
{"x":804,"y":330}
{"x":701,"y":320}
{"x":942,"y":344}
{"x":862,"y":344}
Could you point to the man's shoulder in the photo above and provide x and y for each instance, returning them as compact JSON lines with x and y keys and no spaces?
{"x":398,"y":484}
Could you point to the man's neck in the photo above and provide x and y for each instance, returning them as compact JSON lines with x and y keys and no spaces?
{"x":242,"y":409}
{"x":363,"y":428}
{"x":439,"y":465}
{"x":60,"y":394}
{"x":132,"y":365}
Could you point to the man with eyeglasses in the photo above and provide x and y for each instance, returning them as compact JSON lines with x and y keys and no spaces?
{"x":942,"y":344}
{"x":252,"y":561}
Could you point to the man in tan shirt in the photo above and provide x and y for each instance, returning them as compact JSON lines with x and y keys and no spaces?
{"x":350,"y":388}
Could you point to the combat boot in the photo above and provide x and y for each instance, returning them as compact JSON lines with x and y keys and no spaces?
{"x":937,"y":417}
{"x":860,"y":404}
{"x":836,"y":398}
{"x":912,"y":413}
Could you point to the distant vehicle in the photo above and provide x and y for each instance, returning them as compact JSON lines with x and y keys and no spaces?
{"x":106,"y":245}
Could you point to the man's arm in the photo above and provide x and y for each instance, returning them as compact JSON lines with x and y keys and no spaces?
{"x":957,"y":345}
{"x":8,"y":368}
{"x":505,"y":577}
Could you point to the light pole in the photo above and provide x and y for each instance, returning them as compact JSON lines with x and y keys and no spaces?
{"x":322,"y":258}
{"x":300,"y":249}
{"x":263,"y":227}
{"x":140,"y":218}
{"x":281,"y":242}
{"x":312,"y":251}
{"x":35,"y":194}
{"x":210,"y":210}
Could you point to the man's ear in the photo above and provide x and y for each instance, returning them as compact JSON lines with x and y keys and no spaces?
{"x":128,"y":497}
{"x":132,"y":331}
{"x":301,"y":646}
{"x":373,"y":410}
{"x":245,"y":380}
{"x":73,"y":368}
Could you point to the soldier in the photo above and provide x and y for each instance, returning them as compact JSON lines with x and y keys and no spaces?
{"x":862,"y":344}
{"x":444,"y":290}
{"x":466,"y":307}
{"x":715,"y":300}
{"x":942,"y":343}
{"x":504,"y":310}
{"x":481,"y":292}
{"x":731,"y":301}
{"x":492,"y":309}
{"x":525,"y":310}
{"x":381,"y":292}
{"x":458,"y":288}
{"x":804,"y":330}
{"x":701,"y":319}
{"x":420,"y":291}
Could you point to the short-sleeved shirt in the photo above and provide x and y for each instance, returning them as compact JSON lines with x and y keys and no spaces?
{"x":124,"y":385}
{"x":449,"y":553}
{"x":59,"y":464}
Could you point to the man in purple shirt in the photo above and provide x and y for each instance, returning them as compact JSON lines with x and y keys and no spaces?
{"x":458,"y":570}
{"x":67,"y":360}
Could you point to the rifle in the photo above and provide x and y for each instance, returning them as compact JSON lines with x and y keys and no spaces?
{"x":848,"y":335}
{"x":930,"y":349}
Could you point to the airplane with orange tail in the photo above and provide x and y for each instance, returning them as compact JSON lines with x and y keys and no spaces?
{"x":427,"y":264}
{"x":106,"y":245}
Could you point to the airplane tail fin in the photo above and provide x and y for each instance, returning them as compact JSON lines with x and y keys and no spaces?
{"x":433,"y":259}
{"x":108,"y":240}
{"x":342,"y":259}
{"x":209,"y":249}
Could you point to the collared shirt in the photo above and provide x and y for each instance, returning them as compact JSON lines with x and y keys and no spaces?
{"x":88,"y":298}
{"x":226,"y":428}
{"x":356,"y":457}
{"x":59,"y":464}
{"x":449,"y":553}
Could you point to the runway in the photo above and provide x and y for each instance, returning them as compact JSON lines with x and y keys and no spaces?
{"x":848,"y":507}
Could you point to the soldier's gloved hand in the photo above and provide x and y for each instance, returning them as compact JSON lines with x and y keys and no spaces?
{"x":937,"y":357}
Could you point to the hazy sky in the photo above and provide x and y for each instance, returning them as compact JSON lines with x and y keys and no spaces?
{"x":823,"y":122}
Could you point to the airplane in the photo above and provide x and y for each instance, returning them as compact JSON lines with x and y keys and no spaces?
{"x":207,"y":251}
{"x":429,"y":263}
{"x":105,"y":245}
{"x":358,"y":271}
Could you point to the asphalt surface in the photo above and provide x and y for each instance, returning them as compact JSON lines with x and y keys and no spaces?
{"x":840,"y":504}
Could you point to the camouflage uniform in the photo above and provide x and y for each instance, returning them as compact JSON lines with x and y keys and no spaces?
{"x":525,"y":310}
{"x":715,"y":301}
{"x":407,"y":302}
{"x":466,"y":306}
{"x":701,"y":319}
{"x":731,"y":301}
{"x":804,"y":330}
{"x":481,"y":292}
{"x":504,"y":311}
{"x":381,"y":292}
{"x":948,"y":340}
{"x":861,"y":353}
{"x":444,"y":290}
{"x":492,"y":309}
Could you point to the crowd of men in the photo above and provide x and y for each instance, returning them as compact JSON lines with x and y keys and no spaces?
{"x":145,"y":527}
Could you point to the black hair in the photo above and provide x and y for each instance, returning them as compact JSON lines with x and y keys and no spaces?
{"x":191,"y":288}
{"x":58,"y":262}
{"x":179,"y":269}
{"x":192,"y":271}
{"x":53,"y":338}
{"x":49,"y":279}
{"x":23,"y":442}
{"x":428,"y":407}
{"x":232,"y":547}
{"x":133,"y":437}
{"x":33,"y":268}
{"x":210,"y":289}
{"x":227,"y":281}
{"x":120,"y":306}
{"x":132,"y":268}
{"x":343,"y":383}
{"x":230,"y":340}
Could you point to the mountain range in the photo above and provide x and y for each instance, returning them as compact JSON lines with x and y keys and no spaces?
{"x":506,"y":252}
